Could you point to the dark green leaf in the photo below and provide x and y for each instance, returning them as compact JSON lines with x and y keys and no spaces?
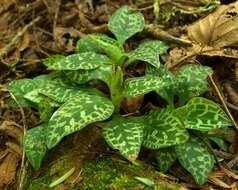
{"x":85,"y":60}
{"x":19,"y":88}
{"x":125,"y":135}
{"x":125,"y":22}
{"x":149,"y":52}
{"x":76,"y":114}
{"x":166,"y":157}
{"x":169,"y":91}
{"x":220,"y":141}
{"x":195,"y":157}
{"x":139,"y":86}
{"x":34,"y":145}
{"x":101,"y":43}
{"x":203,"y":114}
{"x":103,"y":73}
{"x":192,"y":81}
{"x":164,"y":129}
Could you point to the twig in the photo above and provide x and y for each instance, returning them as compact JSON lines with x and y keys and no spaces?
{"x":223,"y":102}
{"x":162,"y":35}
{"x":56,"y":15}
{"x":10,"y":46}
{"x":23,"y":165}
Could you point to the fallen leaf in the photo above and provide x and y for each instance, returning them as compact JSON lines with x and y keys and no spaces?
{"x":219,"y":29}
{"x":8,"y":169}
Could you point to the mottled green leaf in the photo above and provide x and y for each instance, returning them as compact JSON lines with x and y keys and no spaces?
{"x":220,"y":141}
{"x":167,"y":92}
{"x":196,"y":158}
{"x":53,"y":59}
{"x":149,"y":52}
{"x":101,"y":43}
{"x":36,"y":97}
{"x":34,"y":145}
{"x":19,"y":88}
{"x":166,"y":158}
{"x":192,"y":81}
{"x":125,"y":135}
{"x":109,"y":46}
{"x":163,"y":129}
{"x":103,"y":73}
{"x":203,"y":114}
{"x":76,"y":114}
{"x":46,"y":110}
{"x":139,"y":86}
{"x":125,"y":22}
{"x":85,"y":60}
{"x":86,"y":44}
{"x":59,"y":93}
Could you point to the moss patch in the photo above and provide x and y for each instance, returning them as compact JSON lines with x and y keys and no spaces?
{"x":107,"y":174}
{"x":103,"y":174}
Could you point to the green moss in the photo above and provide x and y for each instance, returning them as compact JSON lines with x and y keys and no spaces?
{"x":107,"y":174}
{"x":104,"y":174}
{"x":41,"y":183}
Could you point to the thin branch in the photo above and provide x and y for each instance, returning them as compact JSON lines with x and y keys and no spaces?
{"x":10,"y":46}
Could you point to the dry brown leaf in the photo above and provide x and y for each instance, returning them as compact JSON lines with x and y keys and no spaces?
{"x":6,"y":4}
{"x":8,"y":169}
{"x":218,"y":182}
{"x":13,"y":130}
{"x":218,"y":29}
{"x":24,"y":42}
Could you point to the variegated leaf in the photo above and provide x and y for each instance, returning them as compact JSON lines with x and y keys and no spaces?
{"x":192,"y":81}
{"x":19,"y":88}
{"x":220,"y":141}
{"x":203,"y":114}
{"x":36,"y":97}
{"x":169,"y":91}
{"x":164,"y":129}
{"x":103,"y":73}
{"x":125,"y":135}
{"x":86,"y":44}
{"x":101,"y":43}
{"x":125,"y":22}
{"x":109,"y":46}
{"x":139,"y":86}
{"x":59,"y":93}
{"x":85,"y":60}
{"x":196,"y":158}
{"x":76,"y":114}
{"x":149,"y":52}
{"x":34,"y":145}
{"x":46,"y":110}
{"x":166,"y":158}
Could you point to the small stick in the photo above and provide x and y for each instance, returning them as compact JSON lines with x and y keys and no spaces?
{"x":23,"y":165}
{"x":223,"y":101}
{"x":162,"y":35}
{"x":10,"y":46}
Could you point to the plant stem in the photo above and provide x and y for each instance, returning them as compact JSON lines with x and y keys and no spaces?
{"x":116,"y":86}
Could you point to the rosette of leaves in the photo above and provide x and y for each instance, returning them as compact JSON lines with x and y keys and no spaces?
{"x":68,"y":102}
{"x":73,"y":102}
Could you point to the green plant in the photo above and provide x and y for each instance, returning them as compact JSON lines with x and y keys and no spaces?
{"x":68,"y":100}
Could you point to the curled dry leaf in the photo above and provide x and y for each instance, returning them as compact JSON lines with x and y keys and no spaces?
{"x":11,"y":154}
{"x":219,"y":29}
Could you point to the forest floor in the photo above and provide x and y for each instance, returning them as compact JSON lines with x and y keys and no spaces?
{"x":32,"y":30}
